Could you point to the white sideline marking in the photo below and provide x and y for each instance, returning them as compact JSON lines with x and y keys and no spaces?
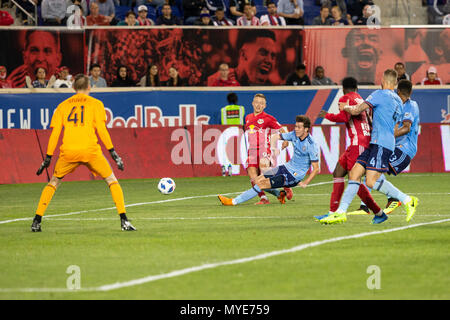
{"x":176,"y":273}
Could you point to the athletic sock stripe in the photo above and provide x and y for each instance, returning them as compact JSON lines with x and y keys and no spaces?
{"x":381,"y":183}
{"x":112,"y":183}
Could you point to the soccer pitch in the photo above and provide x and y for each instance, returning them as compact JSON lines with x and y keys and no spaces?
{"x":190,"y":247}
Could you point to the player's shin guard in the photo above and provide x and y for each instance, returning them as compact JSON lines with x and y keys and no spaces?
{"x":367,"y":198}
{"x":117,"y":195}
{"x":247,"y":195}
{"x":390,"y":190}
{"x":349,"y":193}
{"x":336,"y":194}
{"x":46,"y":197}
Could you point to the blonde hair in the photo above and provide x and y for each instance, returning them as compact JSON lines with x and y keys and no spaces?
{"x":260,"y":95}
{"x":390,"y":76}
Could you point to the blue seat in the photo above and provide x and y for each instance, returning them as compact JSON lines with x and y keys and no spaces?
{"x":311,"y":10}
{"x":121,"y":12}
{"x":260,"y":10}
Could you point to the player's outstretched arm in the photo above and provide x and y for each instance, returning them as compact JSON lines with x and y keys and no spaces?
{"x":356,"y":110}
{"x":274,"y":141}
{"x":314,"y":172}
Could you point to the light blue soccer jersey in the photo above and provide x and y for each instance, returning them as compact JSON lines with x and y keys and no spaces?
{"x":387,"y":111}
{"x":408,"y":142}
{"x":305,"y":152}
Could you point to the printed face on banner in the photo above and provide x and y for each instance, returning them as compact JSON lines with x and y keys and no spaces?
{"x":253,"y":56}
{"x":42,"y":50}
{"x":435,"y":48}
{"x":364,"y":53}
{"x":30,"y":49}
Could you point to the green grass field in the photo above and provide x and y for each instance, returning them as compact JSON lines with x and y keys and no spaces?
{"x":188,"y":246}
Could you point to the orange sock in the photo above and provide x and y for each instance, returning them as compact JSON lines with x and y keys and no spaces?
{"x":46,"y":197}
{"x":117,"y":195}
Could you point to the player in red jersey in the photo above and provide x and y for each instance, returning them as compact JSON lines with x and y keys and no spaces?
{"x":358,"y":128}
{"x":257,"y":127}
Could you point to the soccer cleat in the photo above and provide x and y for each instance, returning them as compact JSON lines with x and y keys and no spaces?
{"x":392,"y":205}
{"x":334,"y":218}
{"x":361,"y":211}
{"x":126,"y":225}
{"x":411,"y":207}
{"x":289,"y":193}
{"x":36,"y":226}
{"x":282,"y":197}
{"x":318,"y":218}
{"x":379,"y":219}
{"x":263,"y":201}
{"x":226,"y":201}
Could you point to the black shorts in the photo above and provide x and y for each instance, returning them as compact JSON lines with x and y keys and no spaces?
{"x":398,"y":162}
{"x":281,"y":171}
{"x":375,"y":158}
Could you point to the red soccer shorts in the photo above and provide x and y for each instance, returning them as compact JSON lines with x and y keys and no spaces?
{"x":348,"y":158}
{"x":255,"y":155}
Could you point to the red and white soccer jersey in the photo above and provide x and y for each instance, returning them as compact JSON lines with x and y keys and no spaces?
{"x":258,"y":129}
{"x":358,"y":128}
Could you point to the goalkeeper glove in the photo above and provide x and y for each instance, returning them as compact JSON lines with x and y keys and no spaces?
{"x":44,"y":164}
{"x":116,"y":158}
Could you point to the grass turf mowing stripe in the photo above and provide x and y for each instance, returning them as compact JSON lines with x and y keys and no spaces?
{"x":142,"y":203}
{"x":176,"y":273}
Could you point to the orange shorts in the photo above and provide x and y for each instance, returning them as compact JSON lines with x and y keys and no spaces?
{"x":96,"y":163}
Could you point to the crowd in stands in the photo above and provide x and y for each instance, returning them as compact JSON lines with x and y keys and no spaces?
{"x":225,"y":77}
{"x":208,"y":12}
{"x":193,"y":12}
{"x":198,"y":13}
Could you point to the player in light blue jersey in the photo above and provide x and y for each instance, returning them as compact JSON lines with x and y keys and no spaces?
{"x":406,"y":135}
{"x":306,"y":153}
{"x":387,"y":109}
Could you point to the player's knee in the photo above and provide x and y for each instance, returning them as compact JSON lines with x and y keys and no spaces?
{"x":356,"y":173}
{"x":55,"y":182}
{"x":264,"y":164}
{"x":112,"y":178}
{"x":262,"y":182}
{"x":370,"y":183}
{"x":339,"y":172}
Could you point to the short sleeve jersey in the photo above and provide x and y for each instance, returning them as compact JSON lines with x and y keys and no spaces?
{"x":80,"y":115}
{"x":358,"y":127}
{"x":305,"y":152}
{"x":257,"y":129}
{"x":408,"y":142}
{"x":387,"y":111}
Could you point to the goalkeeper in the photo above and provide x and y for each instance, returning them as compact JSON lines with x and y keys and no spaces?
{"x":81,"y":116}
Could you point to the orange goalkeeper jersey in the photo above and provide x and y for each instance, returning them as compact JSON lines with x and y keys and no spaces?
{"x":81,"y":116}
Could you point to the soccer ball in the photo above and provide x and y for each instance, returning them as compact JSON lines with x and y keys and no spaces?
{"x":166,"y":185}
